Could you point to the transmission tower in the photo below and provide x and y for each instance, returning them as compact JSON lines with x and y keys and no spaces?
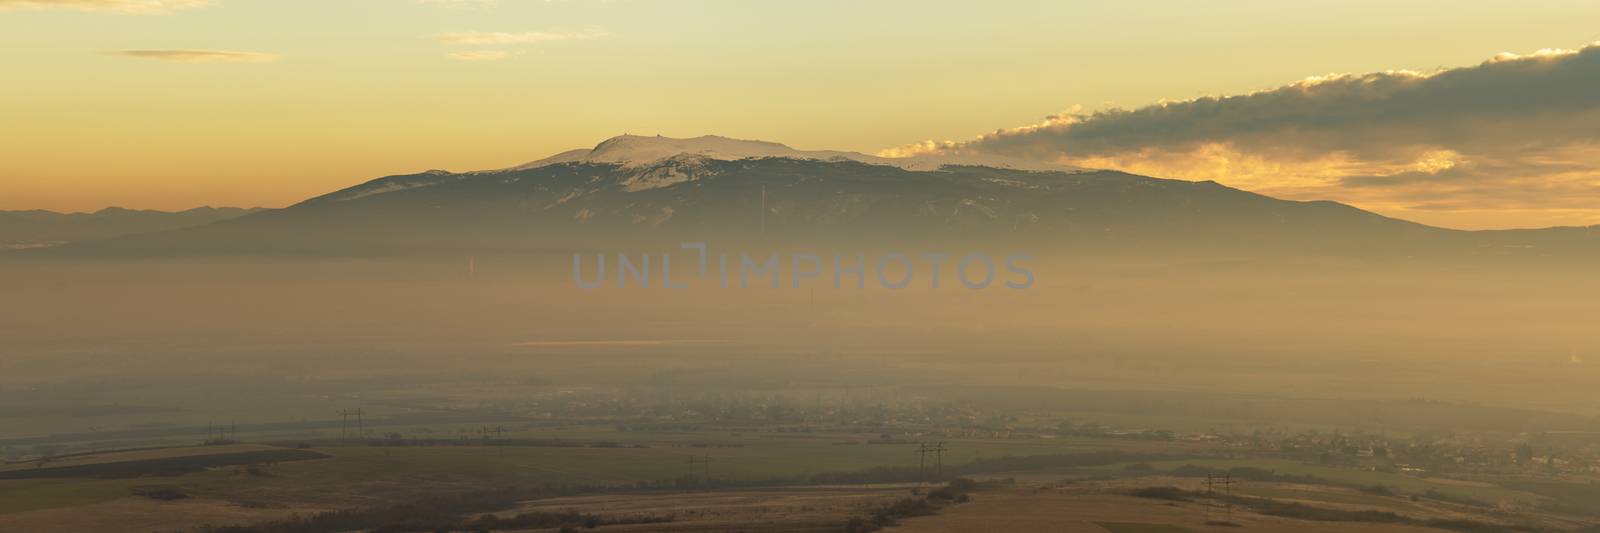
{"x":1225,"y":482}
{"x":344,"y":425}
{"x":923,"y":449}
{"x":705,"y":467}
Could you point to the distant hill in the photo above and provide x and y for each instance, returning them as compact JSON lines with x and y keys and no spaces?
{"x":639,"y":193}
{"x":38,"y":228}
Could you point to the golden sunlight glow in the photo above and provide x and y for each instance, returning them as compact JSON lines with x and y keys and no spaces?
{"x":173,"y":104}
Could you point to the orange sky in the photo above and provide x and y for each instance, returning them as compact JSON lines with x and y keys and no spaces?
{"x":172,"y":104}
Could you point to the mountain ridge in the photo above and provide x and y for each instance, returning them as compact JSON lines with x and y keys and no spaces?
{"x":642,"y":191}
{"x":578,"y":205}
{"x":33,"y":228}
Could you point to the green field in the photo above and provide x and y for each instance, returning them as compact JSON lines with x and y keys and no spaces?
{"x":1351,"y":477}
{"x":30,"y":494}
{"x":356,"y":474}
{"x":1133,"y":527}
{"x":1330,"y":496}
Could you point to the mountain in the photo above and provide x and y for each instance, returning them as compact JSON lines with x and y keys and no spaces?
{"x":634,"y":192}
{"x":39,"y":228}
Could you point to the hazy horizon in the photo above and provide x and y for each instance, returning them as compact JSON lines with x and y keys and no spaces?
{"x":820,"y":266}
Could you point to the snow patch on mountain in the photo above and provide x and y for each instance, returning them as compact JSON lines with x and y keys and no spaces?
{"x":677,"y":169}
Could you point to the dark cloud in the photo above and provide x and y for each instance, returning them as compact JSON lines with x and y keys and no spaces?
{"x":1500,"y":104}
{"x":1514,"y":129}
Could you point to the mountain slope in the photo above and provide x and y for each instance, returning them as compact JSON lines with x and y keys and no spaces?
{"x":587,"y":205}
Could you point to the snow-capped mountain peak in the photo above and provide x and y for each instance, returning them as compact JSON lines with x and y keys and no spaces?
{"x":638,"y":150}
{"x":656,"y":162}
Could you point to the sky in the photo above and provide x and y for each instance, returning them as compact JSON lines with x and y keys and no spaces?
{"x":1408,"y":108}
